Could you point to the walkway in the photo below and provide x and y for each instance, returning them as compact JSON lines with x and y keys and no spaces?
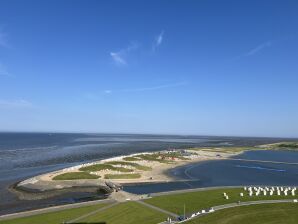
{"x":232,"y":205}
{"x":53,"y":209}
{"x":248,"y":203}
{"x":92,"y":213}
{"x":158,"y":209}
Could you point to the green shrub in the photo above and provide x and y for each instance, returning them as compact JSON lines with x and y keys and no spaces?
{"x":123,"y":176}
{"x":99,"y":167}
{"x":131,"y":158}
{"x":75,"y":176}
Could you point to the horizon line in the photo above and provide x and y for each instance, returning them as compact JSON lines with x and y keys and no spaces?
{"x":149,"y":133}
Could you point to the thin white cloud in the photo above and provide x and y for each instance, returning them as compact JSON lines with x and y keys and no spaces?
{"x":120,"y":57}
{"x":158,"y":40}
{"x":15,"y":104}
{"x":169,"y":85}
{"x":150,"y":88}
{"x":259,"y":48}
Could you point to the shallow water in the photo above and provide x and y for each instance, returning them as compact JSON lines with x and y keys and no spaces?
{"x":231,"y":172}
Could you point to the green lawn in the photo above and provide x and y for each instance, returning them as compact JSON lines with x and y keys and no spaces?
{"x":123,"y":176}
{"x":285,"y":213}
{"x":75,"y":176}
{"x":196,"y":201}
{"x":134,"y":213}
{"x":99,"y":167}
{"x":127,"y":213}
{"x":55,"y":217}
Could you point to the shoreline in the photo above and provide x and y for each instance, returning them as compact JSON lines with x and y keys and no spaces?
{"x":77,"y":190}
{"x":47,"y":187}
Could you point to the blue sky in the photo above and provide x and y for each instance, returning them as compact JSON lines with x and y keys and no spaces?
{"x":172,"y":67}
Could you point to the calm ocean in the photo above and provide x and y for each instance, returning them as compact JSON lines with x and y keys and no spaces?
{"x":23,"y":155}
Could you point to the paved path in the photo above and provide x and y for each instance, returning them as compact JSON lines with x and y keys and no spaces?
{"x":158,"y":209}
{"x":232,"y":205}
{"x":53,"y":209}
{"x":247,"y":203}
{"x":92,"y":213}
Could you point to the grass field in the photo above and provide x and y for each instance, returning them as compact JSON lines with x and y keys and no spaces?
{"x":123,"y":176}
{"x":195,"y":201}
{"x":127,"y":213}
{"x":99,"y":167}
{"x":55,"y":217}
{"x":135,"y":213}
{"x":75,"y":176}
{"x":285,"y":213}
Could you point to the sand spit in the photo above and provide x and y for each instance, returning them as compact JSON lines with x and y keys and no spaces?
{"x":162,"y":162}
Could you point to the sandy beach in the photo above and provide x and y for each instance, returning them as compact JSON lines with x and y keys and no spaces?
{"x":157,"y":172}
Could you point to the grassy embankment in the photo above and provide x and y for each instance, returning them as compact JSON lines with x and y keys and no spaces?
{"x":55,"y":217}
{"x":282,"y":213}
{"x":127,"y":213}
{"x":195,"y":201}
{"x":134,"y":213}
{"x":75,"y":176}
{"x":124,"y":213}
